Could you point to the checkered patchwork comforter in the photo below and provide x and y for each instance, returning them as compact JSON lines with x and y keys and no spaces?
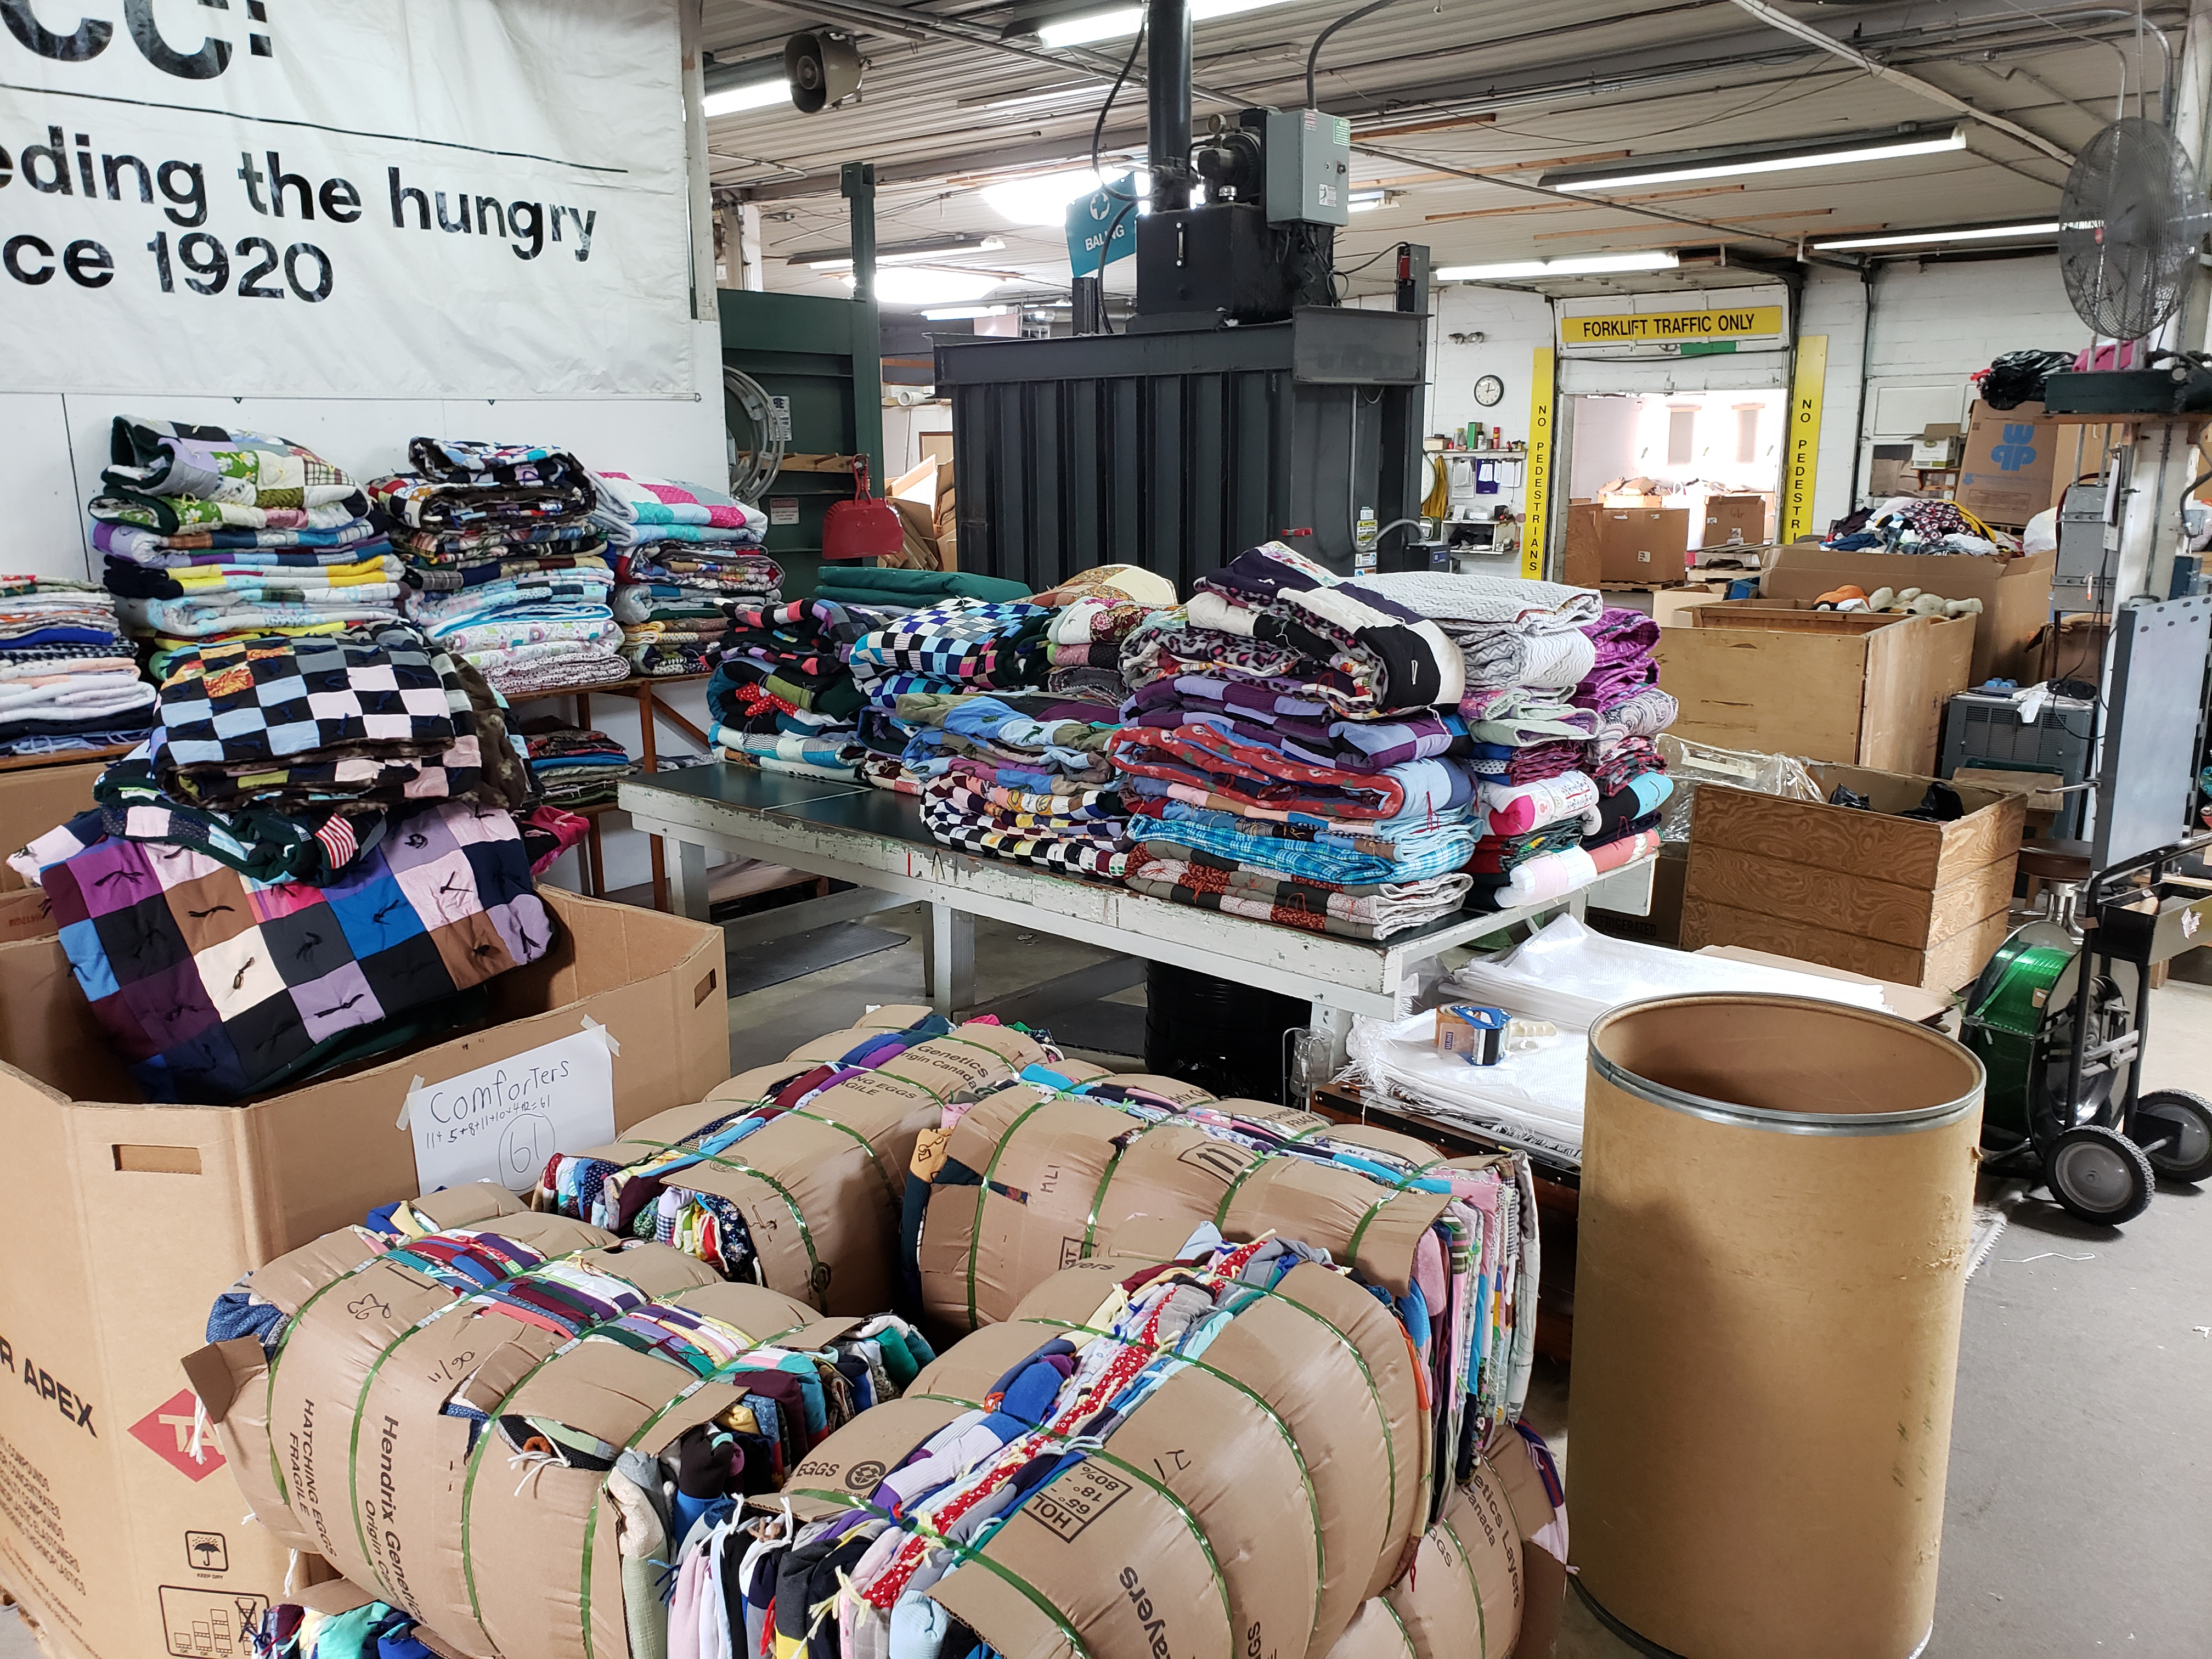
{"x":216,"y":986}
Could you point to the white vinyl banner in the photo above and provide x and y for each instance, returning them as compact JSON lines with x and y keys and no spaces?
{"x":386,"y":198}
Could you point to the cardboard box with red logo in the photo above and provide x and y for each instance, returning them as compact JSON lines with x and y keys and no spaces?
{"x":122,"y":1533}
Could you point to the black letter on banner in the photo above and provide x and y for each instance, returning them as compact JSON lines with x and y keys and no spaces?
{"x":11,"y":255}
{"x":209,"y":61}
{"x":89,"y":39}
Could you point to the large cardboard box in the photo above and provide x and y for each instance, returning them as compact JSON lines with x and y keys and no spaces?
{"x":2018,"y":461}
{"x":2016,"y":593}
{"x":1730,"y":520}
{"x":1921,"y":903}
{"x":31,"y":802}
{"x":1580,"y":565}
{"x":1784,"y":679}
{"x":113,"y":1533}
{"x":1644,"y":543}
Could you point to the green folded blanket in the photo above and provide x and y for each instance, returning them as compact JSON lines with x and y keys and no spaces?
{"x":866,"y":585}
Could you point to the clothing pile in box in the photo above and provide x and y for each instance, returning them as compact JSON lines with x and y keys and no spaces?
{"x":210,"y":533}
{"x":639,"y":1400}
{"x":572,"y":767}
{"x":781,"y":699}
{"x":505,"y":561}
{"x":1025,"y":778}
{"x":953,"y":647}
{"x":1286,"y":752}
{"x":685,"y":555}
{"x":68,"y":682}
{"x":310,"y":856}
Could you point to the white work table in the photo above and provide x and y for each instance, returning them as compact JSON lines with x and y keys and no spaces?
{"x":873,"y":839}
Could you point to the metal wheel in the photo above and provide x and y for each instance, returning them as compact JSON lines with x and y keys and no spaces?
{"x":2098,"y":1174}
{"x":2186,"y":1117}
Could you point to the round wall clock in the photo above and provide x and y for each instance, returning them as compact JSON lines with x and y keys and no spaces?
{"x":1488,"y":390}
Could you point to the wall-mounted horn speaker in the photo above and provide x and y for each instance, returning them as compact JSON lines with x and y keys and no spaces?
{"x":824,"y":68}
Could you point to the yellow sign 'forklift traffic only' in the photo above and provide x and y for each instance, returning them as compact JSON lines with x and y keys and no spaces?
{"x":1745,"y":323}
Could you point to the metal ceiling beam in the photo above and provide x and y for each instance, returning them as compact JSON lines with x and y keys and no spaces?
{"x":919,"y":26}
{"x":1928,"y":89}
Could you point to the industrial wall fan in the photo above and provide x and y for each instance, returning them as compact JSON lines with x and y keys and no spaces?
{"x":2131,"y":223}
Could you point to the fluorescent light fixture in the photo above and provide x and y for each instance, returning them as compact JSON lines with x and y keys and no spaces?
{"x":1586,"y":264}
{"x":1972,"y":233}
{"x":963,"y":314}
{"x":899,"y":253}
{"x":1121,"y":22}
{"x":902,"y":286}
{"x":759,"y":95}
{"x":1041,"y":198}
{"x":1360,"y":201}
{"x":1768,"y":158}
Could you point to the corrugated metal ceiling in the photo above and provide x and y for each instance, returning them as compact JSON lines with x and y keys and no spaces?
{"x":1525,"y":81}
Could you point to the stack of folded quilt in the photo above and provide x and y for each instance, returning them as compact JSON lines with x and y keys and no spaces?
{"x":782,"y":699}
{"x":68,"y":683}
{"x":953,"y":647}
{"x":1287,"y":752}
{"x":311,"y":855}
{"x":1526,"y":651}
{"x":685,"y":557}
{"x":1024,"y":778}
{"x":1622,"y":690}
{"x":572,"y":769}
{"x":505,"y":561}
{"x":210,"y":533}
{"x":1098,"y":610}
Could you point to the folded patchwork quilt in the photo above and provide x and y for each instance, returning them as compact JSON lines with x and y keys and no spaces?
{"x":215,"y":986}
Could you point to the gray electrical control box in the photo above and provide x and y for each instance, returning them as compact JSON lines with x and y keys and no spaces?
{"x":2081,"y":552}
{"x":1308,"y":167}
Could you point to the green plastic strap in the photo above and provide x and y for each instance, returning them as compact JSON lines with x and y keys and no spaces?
{"x":1113,"y":1169}
{"x":599,"y":1492}
{"x":884,"y":1071}
{"x":862,"y":1142}
{"x":1189,"y":1520}
{"x":846,"y":1500}
{"x":1306,"y":1475}
{"x":1467,"y":1566}
{"x":983,"y":1189}
{"x":740,"y":1167}
{"x":1228,"y":1197}
{"x":368,"y":1382}
{"x":1404,"y":1634}
{"x":1359,"y":1233}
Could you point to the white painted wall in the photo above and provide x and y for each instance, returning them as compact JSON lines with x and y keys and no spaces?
{"x":1514,"y":326}
{"x":1933,"y":324}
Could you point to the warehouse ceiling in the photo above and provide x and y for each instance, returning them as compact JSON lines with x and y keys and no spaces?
{"x":1457,"y":108}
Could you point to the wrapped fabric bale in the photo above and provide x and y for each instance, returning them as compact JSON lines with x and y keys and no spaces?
{"x":1050,"y":1170}
{"x":1460,"y":1598}
{"x":788,"y":1175}
{"x":1190,"y":1457}
{"x":1322,"y":1353}
{"x":638,"y":1397}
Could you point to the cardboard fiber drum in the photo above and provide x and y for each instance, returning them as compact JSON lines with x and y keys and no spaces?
{"x":1776,"y":1202}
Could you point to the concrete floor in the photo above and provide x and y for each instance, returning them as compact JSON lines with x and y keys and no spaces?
{"x":2079,"y":1510}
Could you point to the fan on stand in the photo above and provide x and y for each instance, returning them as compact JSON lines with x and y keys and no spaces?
{"x":2129,"y":225}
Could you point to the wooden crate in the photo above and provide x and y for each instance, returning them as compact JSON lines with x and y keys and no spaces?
{"x":1920,"y":903}
{"x":1824,"y":685}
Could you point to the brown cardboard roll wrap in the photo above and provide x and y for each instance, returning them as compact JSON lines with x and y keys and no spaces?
{"x":1462,"y":1597}
{"x":820,"y":1184}
{"x":1776,"y":1201}
{"x":1065,"y":1178}
{"x":1330,"y":1366}
{"x":503,"y":1550}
